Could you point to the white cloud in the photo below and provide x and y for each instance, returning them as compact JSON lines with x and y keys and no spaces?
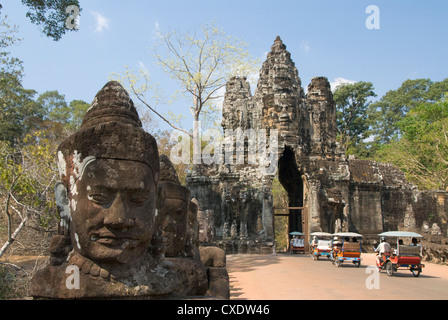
{"x":340,"y":81}
{"x":305,"y":46}
{"x":101,"y":22}
{"x":156,"y":31}
{"x":142,"y":65}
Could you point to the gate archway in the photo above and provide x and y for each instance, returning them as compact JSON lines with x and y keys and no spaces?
{"x":290,"y":178}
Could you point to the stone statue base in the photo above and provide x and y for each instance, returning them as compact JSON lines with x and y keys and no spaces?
{"x":192,"y":276}
{"x":80,"y":278}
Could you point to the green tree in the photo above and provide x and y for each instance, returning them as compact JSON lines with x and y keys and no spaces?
{"x":18,"y":110}
{"x":60,"y":116}
{"x":51,"y":15}
{"x":201,"y":65}
{"x":54,"y":107}
{"x":422,"y":150}
{"x":385,"y":114}
{"x":8,"y":38}
{"x":27,"y":177}
{"x":78,"y":109}
{"x":352,"y":101}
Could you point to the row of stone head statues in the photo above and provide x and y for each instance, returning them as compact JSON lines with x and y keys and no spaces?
{"x":128,"y":228}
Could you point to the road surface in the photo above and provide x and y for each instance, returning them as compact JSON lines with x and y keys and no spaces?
{"x":298,"y":277}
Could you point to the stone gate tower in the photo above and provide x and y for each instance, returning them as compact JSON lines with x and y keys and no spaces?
{"x":340,"y":194}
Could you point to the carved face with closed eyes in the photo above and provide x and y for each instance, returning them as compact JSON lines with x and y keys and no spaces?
{"x":174,"y":218}
{"x":278,"y":112}
{"x":113,"y":208}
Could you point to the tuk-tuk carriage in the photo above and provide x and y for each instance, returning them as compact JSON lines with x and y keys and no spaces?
{"x":346,"y":247}
{"x":321,"y":245}
{"x":297,"y":243}
{"x":403,"y":256}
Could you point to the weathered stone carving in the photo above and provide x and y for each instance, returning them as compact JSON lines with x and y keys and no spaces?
{"x":214,"y":259}
{"x":279,"y":92}
{"x":340,"y":193}
{"x":108,"y":199}
{"x":205,"y":223}
{"x":178,"y":219}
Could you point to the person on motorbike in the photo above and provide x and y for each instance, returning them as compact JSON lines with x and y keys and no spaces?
{"x":383,"y":248}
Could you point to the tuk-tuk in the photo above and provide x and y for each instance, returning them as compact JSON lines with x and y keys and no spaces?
{"x":297,"y":243}
{"x":403,"y":256}
{"x":321,"y":245}
{"x":346,"y":247}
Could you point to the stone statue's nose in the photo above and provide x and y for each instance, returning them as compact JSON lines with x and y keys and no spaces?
{"x":117,"y":216}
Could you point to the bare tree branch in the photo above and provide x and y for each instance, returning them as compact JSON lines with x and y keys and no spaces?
{"x":206,"y":64}
{"x":12,"y":238}
{"x":158,"y":114}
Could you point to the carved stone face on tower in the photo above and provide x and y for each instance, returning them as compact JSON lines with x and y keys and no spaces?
{"x":279,"y":91}
{"x":279,"y":113}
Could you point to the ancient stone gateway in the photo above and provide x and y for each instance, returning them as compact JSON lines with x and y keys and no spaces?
{"x":339,"y":193}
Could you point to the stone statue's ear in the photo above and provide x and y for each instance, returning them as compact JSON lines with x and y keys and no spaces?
{"x":63,"y":206}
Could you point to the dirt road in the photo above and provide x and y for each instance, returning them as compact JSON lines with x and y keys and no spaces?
{"x":298,"y":277}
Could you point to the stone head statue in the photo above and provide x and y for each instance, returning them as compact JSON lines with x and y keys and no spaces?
{"x":174,"y":214}
{"x":177,"y":223}
{"x":108,"y":200}
{"x":110,"y":170}
{"x":193,"y":223}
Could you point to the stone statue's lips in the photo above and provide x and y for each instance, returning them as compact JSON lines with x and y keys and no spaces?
{"x":109,"y":238}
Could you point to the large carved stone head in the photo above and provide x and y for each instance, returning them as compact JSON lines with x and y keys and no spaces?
{"x":279,"y":88}
{"x":174,"y":214}
{"x":110,"y":169}
{"x":279,"y":113}
{"x":108,"y":199}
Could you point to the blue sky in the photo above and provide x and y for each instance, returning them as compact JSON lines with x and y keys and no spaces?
{"x":325,"y":37}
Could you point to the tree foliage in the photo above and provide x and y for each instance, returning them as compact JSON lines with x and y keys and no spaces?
{"x":30,"y":131}
{"x":56,"y":110}
{"x":422,"y":150}
{"x":352,"y":101}
{"x":407,"y":127}
{"x":17,"y":107}
{"x":27,"y":177}
{"x":386,"y":113}
{"x":51,"y":15}
{"x":202,"y":64}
